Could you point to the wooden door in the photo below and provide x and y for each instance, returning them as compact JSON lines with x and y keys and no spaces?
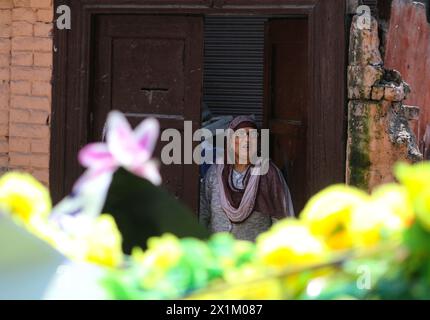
{"x":150,"y":66}
{"x":286,"y":101}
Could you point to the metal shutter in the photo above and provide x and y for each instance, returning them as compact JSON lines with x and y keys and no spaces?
{"x":373,"y":4}
{"x":234,"y":65}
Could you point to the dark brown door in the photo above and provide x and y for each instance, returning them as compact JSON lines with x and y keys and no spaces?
{"x":150,"y":66}
{"x":286,"y":101}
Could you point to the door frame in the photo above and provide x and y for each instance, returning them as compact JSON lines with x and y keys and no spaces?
{"x":326,"y":76}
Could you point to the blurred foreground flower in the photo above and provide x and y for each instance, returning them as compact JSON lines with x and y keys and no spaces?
{"x":416,"y":179}
{"x":24,"y":197}
{"x":100,"y":243}
{"x":289,"y":243}
{"x":328,"y":214}
{"x":384,"y":216}
{"x":125,"y":148}
{"x":28,"y":202}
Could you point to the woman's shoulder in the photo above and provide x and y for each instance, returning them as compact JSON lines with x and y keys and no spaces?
{"x":273,"y":168}
{"x":274,"y":172}
{"x":211,"y":173}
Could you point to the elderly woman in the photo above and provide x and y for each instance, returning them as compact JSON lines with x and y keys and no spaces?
{"x":232,"y":200}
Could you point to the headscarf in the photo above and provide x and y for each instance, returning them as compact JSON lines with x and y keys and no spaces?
{"x":267,"y":193}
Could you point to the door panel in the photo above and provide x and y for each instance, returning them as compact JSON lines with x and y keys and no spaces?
{"x":286,"y":103}
{"x":150,"y":66}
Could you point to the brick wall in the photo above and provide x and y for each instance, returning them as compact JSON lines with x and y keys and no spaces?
{"x":25,"y":85}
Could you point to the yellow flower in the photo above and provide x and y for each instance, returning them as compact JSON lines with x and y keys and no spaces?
{"x":104,"y":242}
{"x":162,"y":253}
{"x":383,"y":216}
{"x":98,"y":242}
{"x":262,"y":289}
{"x":269,"y":289}
{"x":289,"y":243}
{"x":244,"y":273}
{"x":24,"y":197}
{"x":395,"y":199}
{"x":422,"y":208}
{"x":365,"y":227}
{"x":416,"y":179}
{"x":328,"y":214}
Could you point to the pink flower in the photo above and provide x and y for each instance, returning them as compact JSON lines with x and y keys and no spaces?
{"x":125,"y":148}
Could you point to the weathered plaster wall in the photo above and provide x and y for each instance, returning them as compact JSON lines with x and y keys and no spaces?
{"x":379,"y":131}
{"x":407,"y":49}
{"x":25,"y":85}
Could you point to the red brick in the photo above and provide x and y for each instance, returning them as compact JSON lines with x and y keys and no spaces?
{"x":41,"y":175}
{"x":40,"y":146}
{"x":5,"y":45}
{"x":42,"y":29}
{"x":4,"y":60}
{"x":5,"y":17}
{"x":22,"y":58}
{"x":4,"y":96}
{"x":23,"y":14}
{"x":43,"y":59}
{"x":6,"y":4}
{"x":31,"y":73}
{"x":5,"y":31}
{"x":22,"y":44}
{"x":20,"y":87}
{"x":25,"y":102}
{"x":45,"y":15}
{"x":42,"y":44}
{"x":4,"y":130}
{"x":4,"y":146}
{"x":22,"y":28}
{"x":4,"y":100}
{"x":4,"y":161}
{"x":41,"y":88}
{"x":19,"y":159}
{"x":29,"y":131}
{"x":21,"y":3}
{"x":30,"y":44}
{"x":4,"y":87}
{"x":40,"y":161}
{"x":19,"y":116}
{"x":41,"y":3}
{"x":40,"y":117}
{"x":19,"y":145}
{"x":29,"y":116}
{"x":4,"y":116}
{"x":4,"y":74}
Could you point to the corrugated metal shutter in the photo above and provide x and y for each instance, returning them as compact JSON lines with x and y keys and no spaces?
{"x":373,"y":4}
{"x":234,"y":65}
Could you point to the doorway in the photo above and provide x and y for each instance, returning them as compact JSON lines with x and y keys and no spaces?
{"x":113,"y":59}
{"x":258,"y":66}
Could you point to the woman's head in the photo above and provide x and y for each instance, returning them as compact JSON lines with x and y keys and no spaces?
{"x":243,"y":143}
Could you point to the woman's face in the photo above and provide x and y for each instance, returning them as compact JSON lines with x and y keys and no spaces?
{"x":245,"y":144}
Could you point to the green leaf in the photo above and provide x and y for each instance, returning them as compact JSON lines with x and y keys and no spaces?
{"x":142,"y":210}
